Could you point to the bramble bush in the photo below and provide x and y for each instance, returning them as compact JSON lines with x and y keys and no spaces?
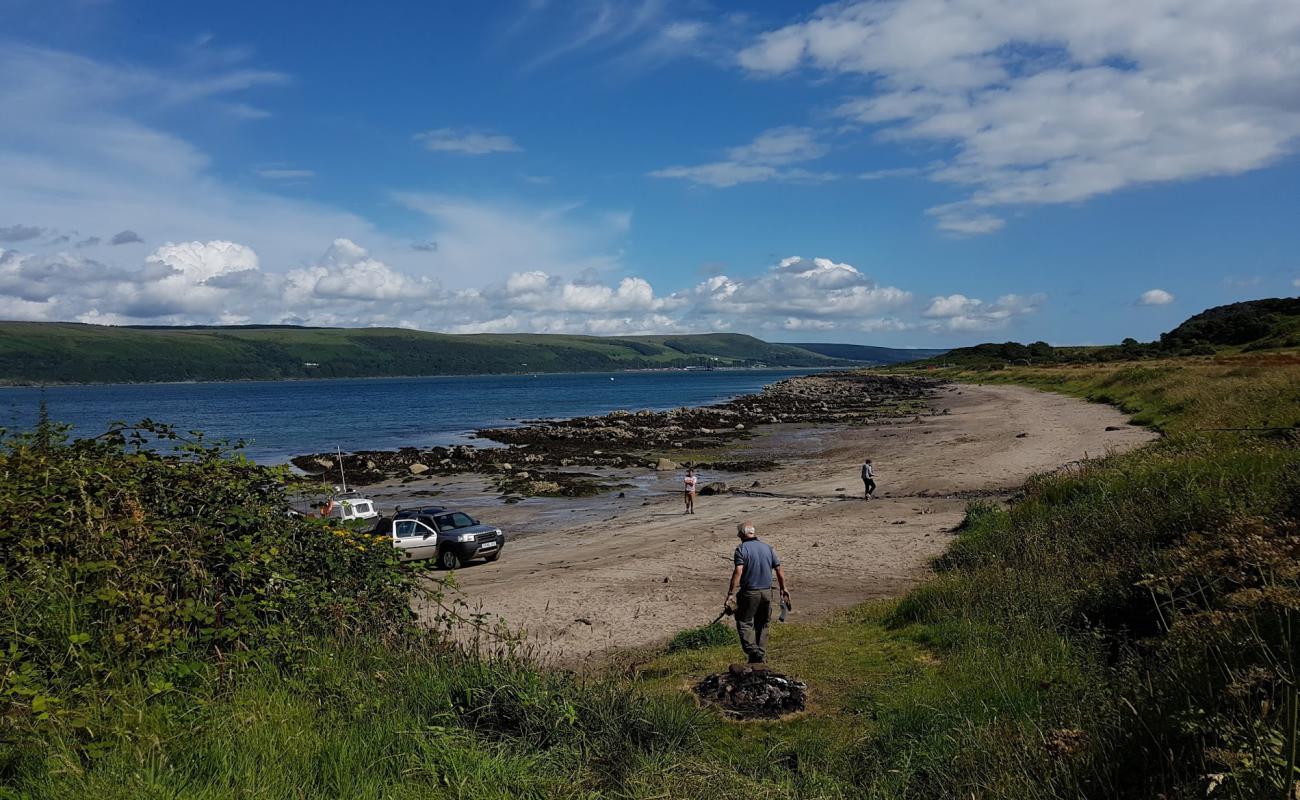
{"x":169,"y":564}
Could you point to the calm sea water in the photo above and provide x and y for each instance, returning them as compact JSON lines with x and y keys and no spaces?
{"x":282,"y":419}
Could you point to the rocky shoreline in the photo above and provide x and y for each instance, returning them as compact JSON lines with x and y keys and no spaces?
{"x":550,"y":457}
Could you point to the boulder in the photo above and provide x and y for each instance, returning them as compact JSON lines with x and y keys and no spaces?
{"x":665,"y":465}
{"x":417,"y":469}
{"x":543,"y":487}
{"x":716,"y":487}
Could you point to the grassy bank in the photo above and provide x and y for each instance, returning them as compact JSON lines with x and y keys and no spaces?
{"x":1124,"y":629}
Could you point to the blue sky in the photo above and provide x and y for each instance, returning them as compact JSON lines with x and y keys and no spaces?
{"x":912,"y":172}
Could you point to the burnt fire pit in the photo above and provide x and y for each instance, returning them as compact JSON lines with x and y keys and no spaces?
{"x":743,"y":692}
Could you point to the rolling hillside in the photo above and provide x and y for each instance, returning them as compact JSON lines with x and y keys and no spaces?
{"x":1268,"y":324}
{"x":869,"y":354}
{"x":32,"y":352}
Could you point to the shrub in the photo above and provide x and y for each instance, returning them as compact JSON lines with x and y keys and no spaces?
{"x":122,"y":562}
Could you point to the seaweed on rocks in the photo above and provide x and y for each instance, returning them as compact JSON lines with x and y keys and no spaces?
{"x":636,"y":439}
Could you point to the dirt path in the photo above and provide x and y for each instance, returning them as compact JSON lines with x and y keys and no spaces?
{"x":637,"y":575}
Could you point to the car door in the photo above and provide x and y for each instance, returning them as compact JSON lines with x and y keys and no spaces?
{"x":414,"y":539}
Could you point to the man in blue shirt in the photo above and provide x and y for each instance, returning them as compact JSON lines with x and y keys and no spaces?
{"x":750,"y":593}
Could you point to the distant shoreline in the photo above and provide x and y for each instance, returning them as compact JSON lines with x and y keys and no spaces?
{"x":8,"y":384}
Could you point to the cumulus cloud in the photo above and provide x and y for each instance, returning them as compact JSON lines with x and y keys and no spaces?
{"x":55,"y":176}
{"x":467,"y":142}
{"x":1059,"y":102}
{"x":804,"y":288}
{"x":767,"y":158}
{"x":223,"y":282}
{"x":957,"y":312}
{"x":1155,"y":297}
{"x":125,"y":237}
{"x":20,"y":233}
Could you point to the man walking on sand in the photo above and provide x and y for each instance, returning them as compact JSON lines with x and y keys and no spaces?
{"x":689,"y":484}
{"x":750,"y":595}
{"x":868,"y":478}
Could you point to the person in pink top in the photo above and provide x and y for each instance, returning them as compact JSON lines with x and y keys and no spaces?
{"x":689,"y":481}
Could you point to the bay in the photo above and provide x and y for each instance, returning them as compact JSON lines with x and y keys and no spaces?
{"x":279,"y":419}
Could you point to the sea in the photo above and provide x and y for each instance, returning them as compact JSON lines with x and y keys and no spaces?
{"x":280,"y":419}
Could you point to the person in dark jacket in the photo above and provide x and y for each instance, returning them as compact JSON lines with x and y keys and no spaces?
{"x":869,"y":478}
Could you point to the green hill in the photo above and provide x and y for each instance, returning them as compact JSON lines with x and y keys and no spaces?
{"x":1253,"y":325}
{"x":1268,"y":324}
{"x":869,"y":354}
{"x":40,"y":352}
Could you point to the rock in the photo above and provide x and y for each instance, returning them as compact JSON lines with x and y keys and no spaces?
{"x":755,"y":485}
{"x":665,"y":465}
{"x":1114,"y":428}
{"x":328,"y":463}
{"x":504,"y":467}
{"x":717,"y":487}
{"x":417,"y":469}
{"x":543,"y":487}
{"x":740,"y":426}
{"x":1021,"y":435}
{"x":523,"y":476}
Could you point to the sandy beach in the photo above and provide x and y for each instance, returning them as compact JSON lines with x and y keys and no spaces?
{"x":585,"y":577}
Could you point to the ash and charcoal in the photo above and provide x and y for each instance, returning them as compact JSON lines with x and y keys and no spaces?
{"x":743,"y":692}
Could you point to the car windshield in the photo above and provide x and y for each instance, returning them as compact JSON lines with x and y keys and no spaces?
{"x":453,"y":521}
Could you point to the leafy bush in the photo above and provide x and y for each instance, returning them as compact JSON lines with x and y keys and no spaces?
{"x":121,"y":563}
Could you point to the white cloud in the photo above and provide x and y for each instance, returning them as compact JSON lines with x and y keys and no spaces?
{"x":816,"y":288}
{"x":766,"y":158}
{"x":1155,"y":297}
{"x":1058,"y":102}
{"x":129,"y":174}
{"x":467,"y":142}
{"x":480,"y":243}
{"x":957,"y":312}
{"x":223,"y":282}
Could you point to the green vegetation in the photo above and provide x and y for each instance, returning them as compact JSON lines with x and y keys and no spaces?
{"x":868,"y":354}
{"x":43,"y":352}
{"x":1240,"y":327}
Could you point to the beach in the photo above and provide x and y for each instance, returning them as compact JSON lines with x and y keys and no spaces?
{"x":586,"y":578}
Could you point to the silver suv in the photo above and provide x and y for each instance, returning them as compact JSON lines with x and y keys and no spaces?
{"x":450,"y":537}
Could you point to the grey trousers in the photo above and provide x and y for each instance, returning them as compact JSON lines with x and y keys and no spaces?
{"x":753,"y":613}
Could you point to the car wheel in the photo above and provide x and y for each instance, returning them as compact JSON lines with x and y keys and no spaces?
{"x":448,"y":559}
{"x":492,"y":557}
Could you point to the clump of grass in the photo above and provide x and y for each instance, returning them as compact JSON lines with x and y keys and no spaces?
{"x":711,"y":635}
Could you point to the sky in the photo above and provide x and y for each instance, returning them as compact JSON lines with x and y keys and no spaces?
{"x":904,"y":172}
